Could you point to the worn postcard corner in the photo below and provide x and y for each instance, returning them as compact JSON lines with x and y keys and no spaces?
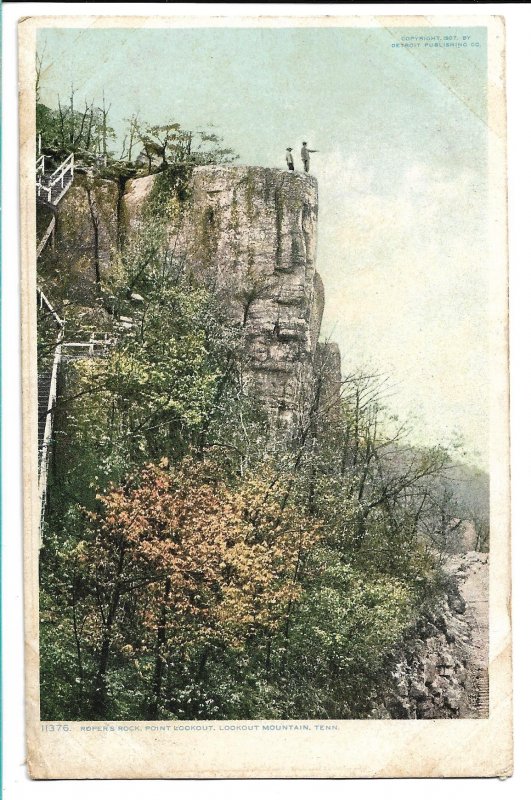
{"x":265,"y":364}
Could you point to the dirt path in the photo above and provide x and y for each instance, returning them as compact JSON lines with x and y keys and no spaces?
{"x":472,"y":572}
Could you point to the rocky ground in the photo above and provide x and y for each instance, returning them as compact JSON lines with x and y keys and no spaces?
{"x":442,"y":671}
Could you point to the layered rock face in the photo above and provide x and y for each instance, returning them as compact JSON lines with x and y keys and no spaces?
{"x":250,"y":233}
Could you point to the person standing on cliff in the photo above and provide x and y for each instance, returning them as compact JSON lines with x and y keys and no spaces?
{"x":289,"y":159}
{"x":305,"y":155}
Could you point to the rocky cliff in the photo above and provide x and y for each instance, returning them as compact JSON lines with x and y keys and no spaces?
{"x":249,"y":233}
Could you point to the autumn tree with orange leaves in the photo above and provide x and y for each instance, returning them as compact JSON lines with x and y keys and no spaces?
{"x":198,"y":565}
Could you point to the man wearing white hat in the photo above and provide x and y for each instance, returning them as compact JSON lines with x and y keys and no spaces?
{"x":289,"y":159}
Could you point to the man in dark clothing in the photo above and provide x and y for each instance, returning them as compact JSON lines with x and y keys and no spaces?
{"x":289,"y":159}
{"x":305,"y":155}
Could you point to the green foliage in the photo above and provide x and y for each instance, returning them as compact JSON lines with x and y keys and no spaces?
{"x":89,"y":134}
{"x":290,"y":614}
{"x":170,"y":191}
{"x":247,"y":575}
{"x":67,"y":130}
{"x":48,"y":125}
{"x":175,"y":145}
{"x":152,"y":393}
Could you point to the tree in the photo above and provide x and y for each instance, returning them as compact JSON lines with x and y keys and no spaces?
{"x":39,"y":69}
{"x":175,"y":564}
{"x":105,"y":132}
{"x":347,"y":623}
{"x":132,"y":137}
{"x":174,"y":145}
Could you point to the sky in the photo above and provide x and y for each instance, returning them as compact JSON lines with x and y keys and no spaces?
{"x":402,"y":171}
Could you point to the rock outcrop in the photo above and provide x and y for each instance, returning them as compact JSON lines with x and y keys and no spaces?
{"x":442,"y":670}
{"x":250,"y":233}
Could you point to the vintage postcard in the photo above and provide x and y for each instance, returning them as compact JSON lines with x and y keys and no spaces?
{"x":265,"y":397}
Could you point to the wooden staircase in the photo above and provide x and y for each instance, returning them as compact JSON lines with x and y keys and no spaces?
{"x":482,"y":693}
{"x":51,"y":187}
{"x":44,"y":380}
{"x":47,"y":380}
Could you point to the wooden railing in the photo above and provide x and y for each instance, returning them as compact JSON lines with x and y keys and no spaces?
{"x":64,"y":351}
{"x":48,"y":428}
{"x":48,"y":232}
{"x":67,"y":167}
{"x":95,"y":346}
{"x":43,"y":302}
{"x":52,"y":187}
